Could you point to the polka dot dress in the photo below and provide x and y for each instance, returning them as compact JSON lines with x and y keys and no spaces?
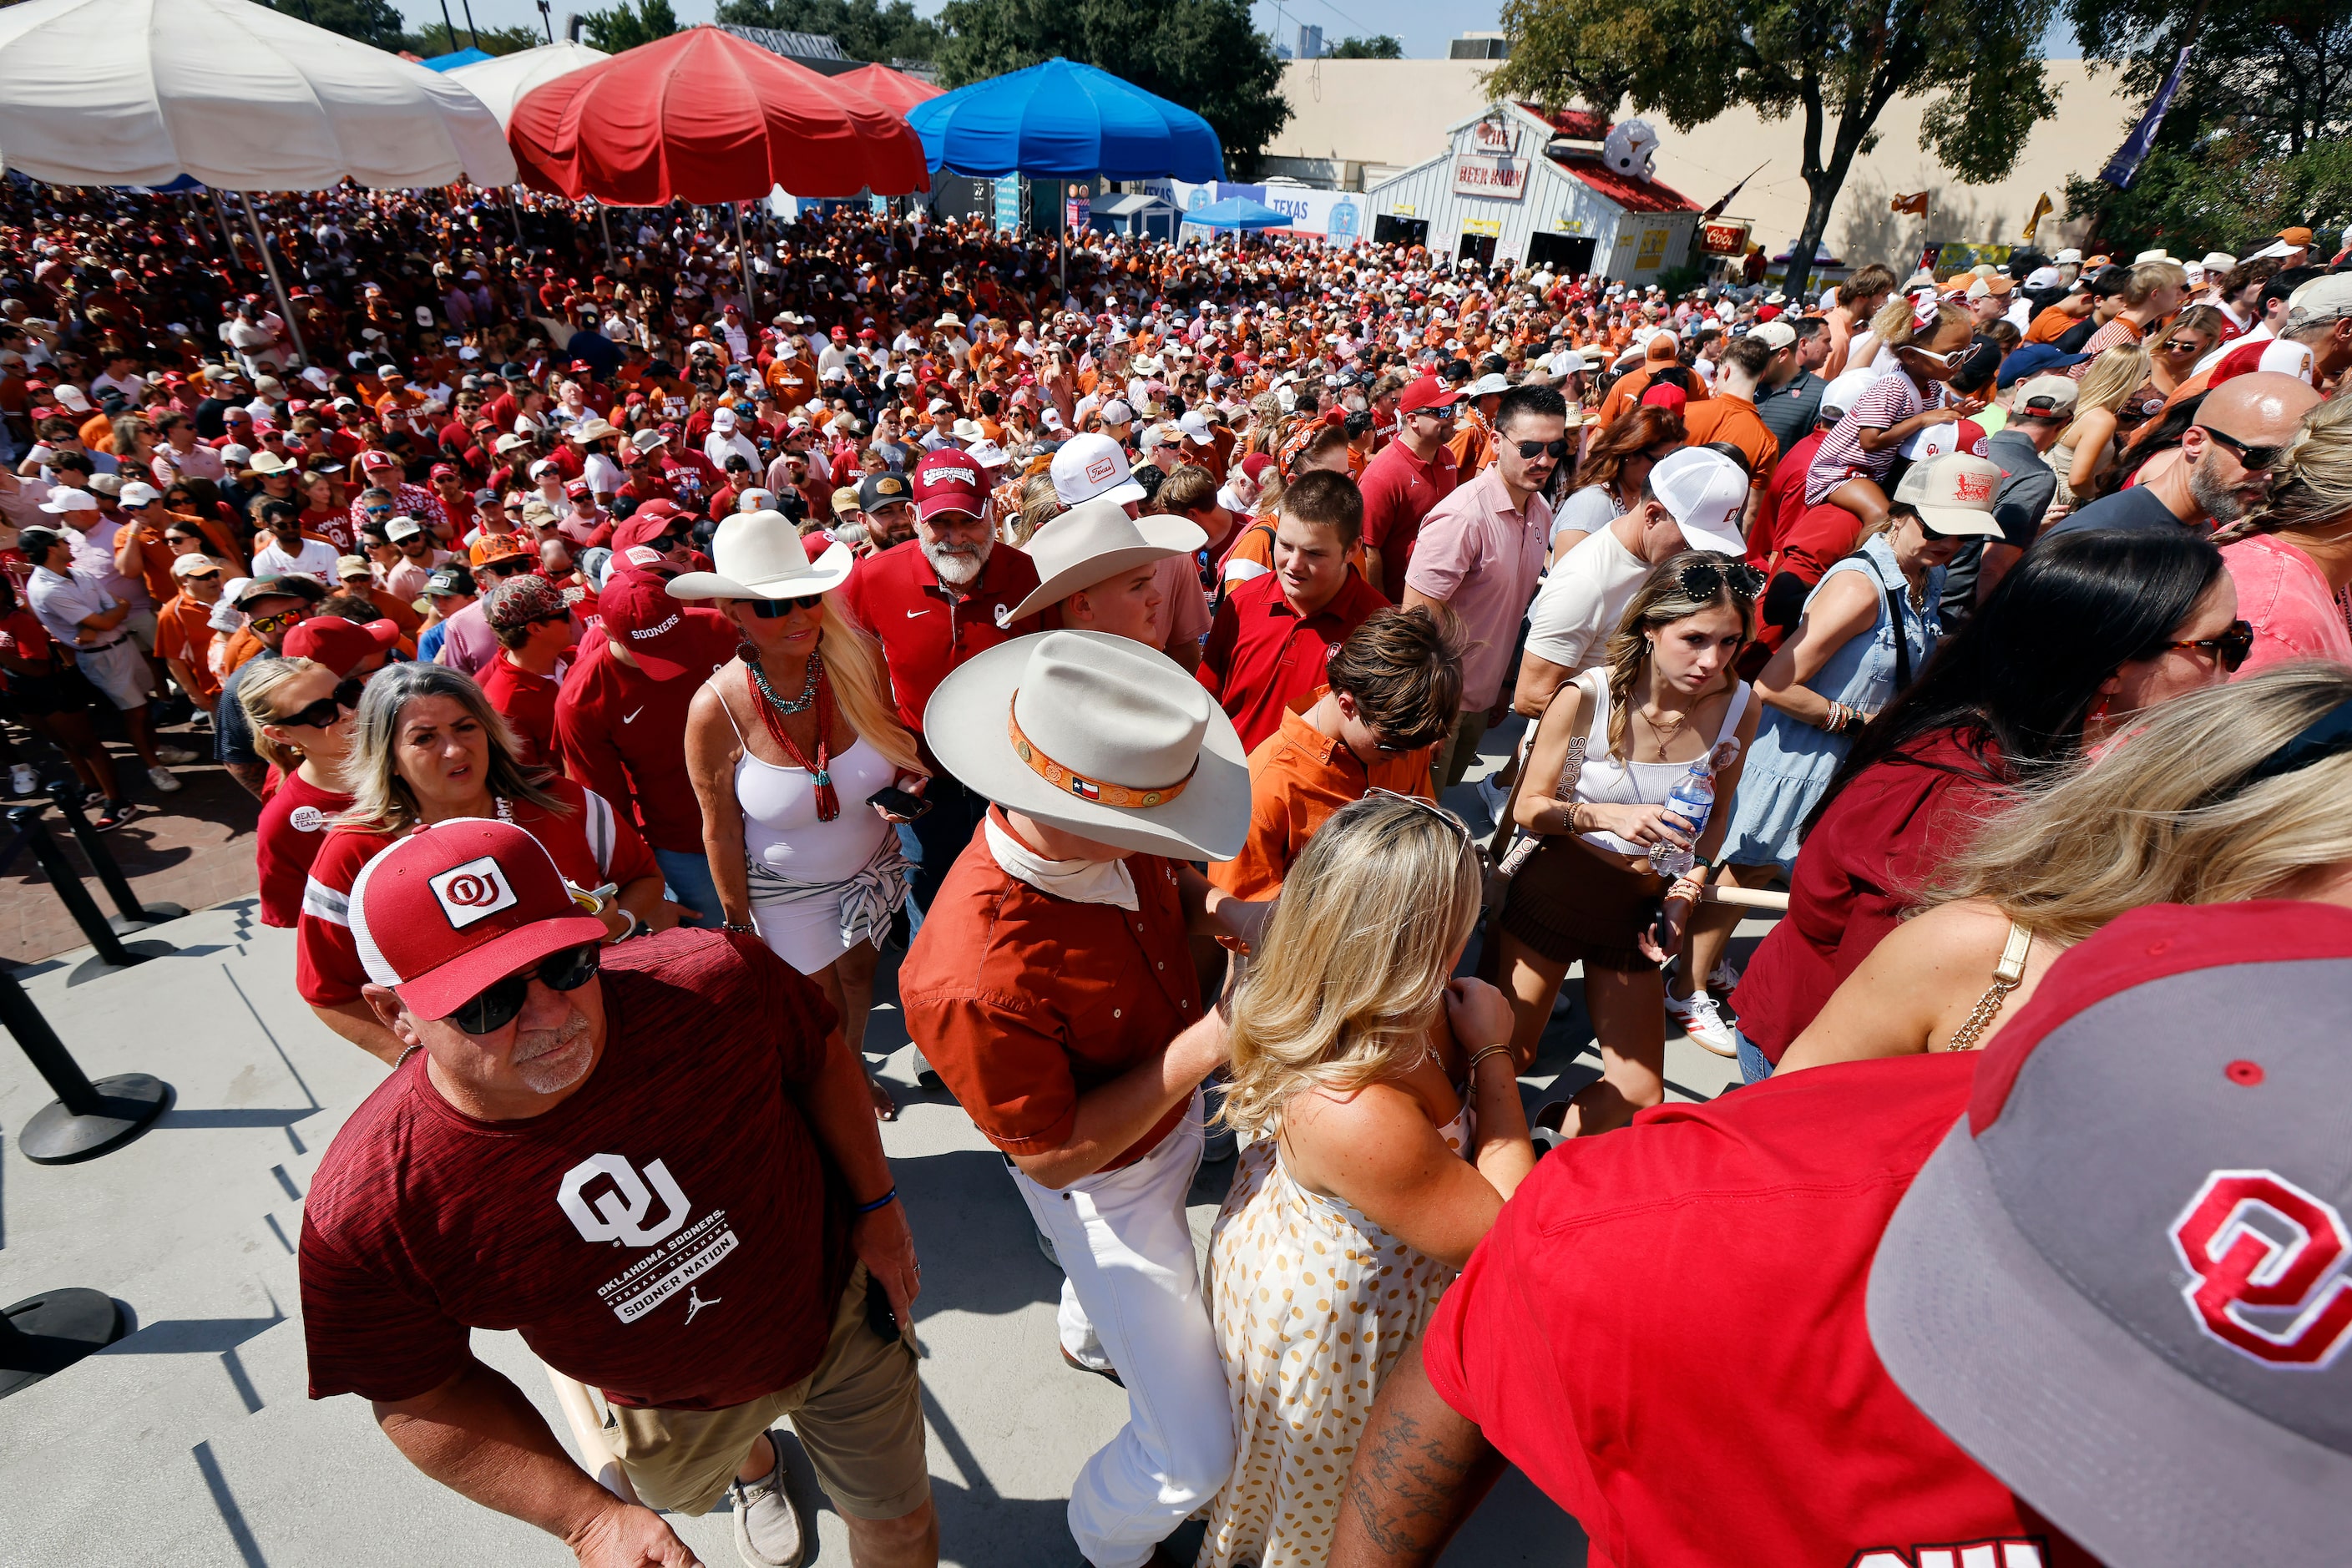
{"x":1313,"y":1305}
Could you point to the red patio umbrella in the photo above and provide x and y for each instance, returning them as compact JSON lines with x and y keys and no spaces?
{"x":706,"y":117}
{"x":893,"y":89}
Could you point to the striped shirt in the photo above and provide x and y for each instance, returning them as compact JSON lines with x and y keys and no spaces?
{"x":1892,"y":398}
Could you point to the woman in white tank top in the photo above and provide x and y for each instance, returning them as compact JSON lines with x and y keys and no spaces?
{"x":1616,"y":740}
{"x":787,"y":745}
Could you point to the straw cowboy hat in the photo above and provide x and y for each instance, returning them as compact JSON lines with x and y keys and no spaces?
{"x":760,"y":556}
{"x":1095,"y":541}
{"x":1100,"y":736}
{"x":594,"y":430}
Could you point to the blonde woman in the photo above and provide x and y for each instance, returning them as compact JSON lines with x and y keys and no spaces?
{"x":802,"y":766}
{"x":2088,"y":447}
{"x":2235,"y":791}
{"x":301,"y":714}
{"x":1384,"y":1105}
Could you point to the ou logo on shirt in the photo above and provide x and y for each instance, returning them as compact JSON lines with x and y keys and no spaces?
{"x":619,"y":1213}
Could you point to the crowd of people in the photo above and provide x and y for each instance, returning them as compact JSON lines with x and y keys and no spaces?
{"x":632,"y":642}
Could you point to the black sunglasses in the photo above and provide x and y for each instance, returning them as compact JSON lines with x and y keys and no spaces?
{"x":2253,"y":459}
{"x":1706,"y":579}
{"x":324,"y":712}
{"x":1530,"y":450}
{"x":568,"y":969}
{"x":2228,"y":651}
{"x":777,"y":609}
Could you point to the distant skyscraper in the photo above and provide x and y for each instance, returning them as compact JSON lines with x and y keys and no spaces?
{"x":1310,"y":42}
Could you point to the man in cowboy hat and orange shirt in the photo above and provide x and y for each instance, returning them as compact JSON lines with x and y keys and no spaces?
{"x":1105,"y":571}
{"x":1052,"y":988}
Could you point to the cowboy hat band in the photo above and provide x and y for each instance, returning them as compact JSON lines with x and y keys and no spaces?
{"x":1077,"y":784}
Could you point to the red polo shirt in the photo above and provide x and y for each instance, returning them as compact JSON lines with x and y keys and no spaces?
{"x":1399,"y":490}
{"x":623,"y":734}
{"x":925,"y":635}
{"x":1261,"y":656}
{"x":1023,"y":1002}
{"x":527,"y":701}
{"x":1586,"y":1337}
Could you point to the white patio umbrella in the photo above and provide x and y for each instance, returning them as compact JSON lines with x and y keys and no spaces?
{"x":500,"y":83}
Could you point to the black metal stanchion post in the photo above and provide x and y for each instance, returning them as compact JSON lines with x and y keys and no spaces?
{"x":86,"y":1119}
{"x":67,"y":883}
{"x":135,"y":915}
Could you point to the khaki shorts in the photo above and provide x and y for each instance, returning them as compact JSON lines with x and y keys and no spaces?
{"x":859,"y":1414}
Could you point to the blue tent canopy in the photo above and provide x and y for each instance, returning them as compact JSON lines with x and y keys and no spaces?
{"x":1238,"y":212}
{"x":462,"y":58}
{"x":1064,"y":120}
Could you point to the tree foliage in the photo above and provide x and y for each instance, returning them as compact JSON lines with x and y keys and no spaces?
{"x":2281,"y":74}
{"x":1379,"y":47}
{"x":1838,"y":63}
{"x":2228,"y":193}
{"x":433,"y":39}
{"x":1203,"y":54}
{"x":629,"y":23}
{"x":866,"y":29}
{"x":376,"y":22}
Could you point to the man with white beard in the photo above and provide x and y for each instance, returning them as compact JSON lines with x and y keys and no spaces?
{"x":545,"y":1157}
{"x":934,"y":602}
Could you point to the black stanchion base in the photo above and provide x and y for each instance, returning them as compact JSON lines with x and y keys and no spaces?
{"x":44,"y":1334}
{"x":156,"y":915}
{"x":56,"y":1136}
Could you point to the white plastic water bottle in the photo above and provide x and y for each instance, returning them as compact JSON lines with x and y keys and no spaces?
{"x":1688,"y":805}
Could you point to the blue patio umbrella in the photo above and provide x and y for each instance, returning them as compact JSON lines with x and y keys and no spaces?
{"x":1064,"y":120}
{"x":1238,"y":212}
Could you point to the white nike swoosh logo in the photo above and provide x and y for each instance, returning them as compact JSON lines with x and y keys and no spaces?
{"x":631,"y":717}
{"x":912,"y":614}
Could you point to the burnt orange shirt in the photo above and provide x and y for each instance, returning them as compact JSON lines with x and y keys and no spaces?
{"x":1299,"y":777}
{"x":1022,"y":1001}
{"x":1729,"y":418}
{"x":184,"y":631}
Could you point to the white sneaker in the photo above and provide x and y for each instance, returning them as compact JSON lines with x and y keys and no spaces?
{"x":23,"y":779}
{"x":1494,"y":797}
{"x":1703,"y":1021}
{"x":1724,"y":976}
{"x":163,"y":779}
{"x":768,"y":1528}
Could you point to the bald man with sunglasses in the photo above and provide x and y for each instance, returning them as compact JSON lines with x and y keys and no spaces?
{"x":2228,"y":460}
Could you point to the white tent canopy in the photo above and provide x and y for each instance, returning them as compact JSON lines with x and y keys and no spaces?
{"x":233,"y":94}
{"x":500,"y":83}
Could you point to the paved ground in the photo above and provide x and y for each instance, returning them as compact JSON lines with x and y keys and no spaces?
{"x":191,"y":1443}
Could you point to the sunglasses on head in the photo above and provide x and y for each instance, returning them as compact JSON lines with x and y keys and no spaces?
{"x":1530,"y":450}
{"x":2253,"y":459}
{"x":2228,"y":651}
{"x":777,"y":609}
{"x":324,"y":712}
{"x":265,"y":624}
{"x":1706,"y":579}
{"x":495,"y":1007}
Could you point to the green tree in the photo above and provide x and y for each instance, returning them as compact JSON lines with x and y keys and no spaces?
{"x":376,"y":22}
{"x":1379,"y":47}
{"x":2281,"y":74}
{"x":2227,"y":193}
{"x":433,"y":39}
{"x":1837,"y":62}
{"x":629,"y":23}
{"x":1203,"y":54}
{"x":866,"y":29}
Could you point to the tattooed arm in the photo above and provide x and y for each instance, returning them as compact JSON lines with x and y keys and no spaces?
{"x":1419,"y":1472}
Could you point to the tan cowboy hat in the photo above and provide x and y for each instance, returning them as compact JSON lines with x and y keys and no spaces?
{"x":1100,"y":736}
{"x":760,"y":556}
{"x":1095,"y":540}
{"x":594,"y":430}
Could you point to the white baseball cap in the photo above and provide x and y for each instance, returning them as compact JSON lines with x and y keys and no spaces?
{"x":135,"y":494}
{"x":1092,"y":465}
{"x":1195,"y":428}
{"x":62,"y":501}
{"x":1954,"y":493}
{"x":1774,"y":335}
{"x":1843,"y":390}
{"x":1703,"y":491}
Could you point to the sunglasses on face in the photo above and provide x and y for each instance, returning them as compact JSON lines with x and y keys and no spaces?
{"x":377,"y":511}
{"x":1932,"y":357}
{"x":265,"y":624}
{"x":1706,"y":579}
{"x":777,"y":609}
{"x":324,"y":712}
{"x":495,"y":1007}
{"x":200,"y":577}
{"x":2228,"y":651}
{"x":1530,"y":450}
{"x":2253,"y":459}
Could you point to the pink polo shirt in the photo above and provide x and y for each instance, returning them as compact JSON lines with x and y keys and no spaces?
{"x":1483,"y":557}
{"x":2293,"y":612}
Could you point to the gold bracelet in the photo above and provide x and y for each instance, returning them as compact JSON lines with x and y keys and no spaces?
{"x":1482,"y":1054}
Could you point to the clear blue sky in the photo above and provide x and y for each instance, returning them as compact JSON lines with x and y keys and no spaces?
{"x":1424,"y":29}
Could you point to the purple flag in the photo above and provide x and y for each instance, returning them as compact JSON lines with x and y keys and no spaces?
{"x":2123,"y":167}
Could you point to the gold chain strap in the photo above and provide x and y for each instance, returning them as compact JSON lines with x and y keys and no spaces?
{"x":2006,"y":976}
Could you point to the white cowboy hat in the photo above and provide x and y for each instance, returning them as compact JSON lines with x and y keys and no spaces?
{"x":1095,"y":541}
{"x":1098,"y":735}
{"x":592,"y":430}
{"x":760,"y":556}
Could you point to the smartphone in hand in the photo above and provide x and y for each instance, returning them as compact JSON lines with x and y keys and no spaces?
{"x":899,"y":803}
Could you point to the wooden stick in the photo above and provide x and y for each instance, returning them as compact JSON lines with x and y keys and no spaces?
{"x":588,"y":1435}
{"x":1746,"y":898}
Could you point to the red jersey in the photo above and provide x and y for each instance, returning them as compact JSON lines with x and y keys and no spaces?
{"x":294,"y":823}
{"x":591,"y":844}
{"x":924,"y":634}
{"x":528,"y":703}
{"x":1260,"y":655}
{"x":623,"y":734}
{"x":680,"y":1184}
{"x":1586,"y":1338}
{"x":1399,"y":490}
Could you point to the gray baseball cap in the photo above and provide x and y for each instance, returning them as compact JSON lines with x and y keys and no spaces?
{"x":2120,"y":1281}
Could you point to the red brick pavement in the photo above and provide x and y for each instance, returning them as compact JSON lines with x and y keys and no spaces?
{"x":195,"y":848}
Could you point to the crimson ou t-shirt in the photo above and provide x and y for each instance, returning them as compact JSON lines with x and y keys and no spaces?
{"x":589,"y":842}
{"x":295,"y":822}
{"x":669,"y":1233}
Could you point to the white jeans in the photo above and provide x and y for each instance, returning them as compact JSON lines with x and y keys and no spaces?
{"x":1132,"y":1295}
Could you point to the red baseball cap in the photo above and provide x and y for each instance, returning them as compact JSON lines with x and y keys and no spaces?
{"x":452,"y":909}
{"x":642,"y":618}
{"x":378,"y":461}
{"x":950,"y":481}
{"x":337,"y":642}
{"x":644,"y":526}
{"x":1427,"y":393}
{"x":445,"y":470}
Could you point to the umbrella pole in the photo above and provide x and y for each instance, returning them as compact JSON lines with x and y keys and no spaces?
{"x":743,"y":259}
{"x":1065,"y":246}
{"x":229,"y":234}
{"x":270,"y":263}
{"x":603,"y":224}
{"x":514,"y":211}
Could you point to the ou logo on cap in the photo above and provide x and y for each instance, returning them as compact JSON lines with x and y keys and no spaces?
{"x":2254,"y":1240}
{"x":473,"y":891}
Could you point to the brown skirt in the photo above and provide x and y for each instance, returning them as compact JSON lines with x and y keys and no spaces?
{"x":1567,"y":903}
